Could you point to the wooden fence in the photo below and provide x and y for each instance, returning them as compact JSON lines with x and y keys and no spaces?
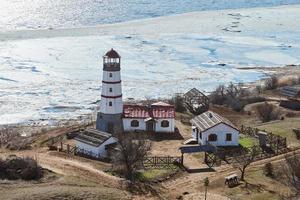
{"x":277,"y":143}
{"x":161,"y":162}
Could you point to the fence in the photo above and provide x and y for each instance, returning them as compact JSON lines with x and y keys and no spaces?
{"x":73,"y":150}
{"x":162,"y":162}
{"x":277,"y":143}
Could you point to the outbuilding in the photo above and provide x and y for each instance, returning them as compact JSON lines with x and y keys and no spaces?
{"x":94,"y":143}
{"x":209,"y":127}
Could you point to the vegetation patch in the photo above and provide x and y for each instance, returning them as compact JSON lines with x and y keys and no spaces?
{"x":283,"y":128}
{"x":154,"y":174}
{"x":247,"y":141}
{"x":13,"y":168}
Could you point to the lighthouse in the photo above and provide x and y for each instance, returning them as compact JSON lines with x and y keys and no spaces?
{"x":109,"y":117}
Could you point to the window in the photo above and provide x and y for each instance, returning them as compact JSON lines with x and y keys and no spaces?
{"x":228,"y":137}
{"x":212,"y":137}
{"x":165,"y":123}
{"x":110,"y":89}
{"x":110,"y":75}
{"x":110,"y":103}
{"x":134,"y":123}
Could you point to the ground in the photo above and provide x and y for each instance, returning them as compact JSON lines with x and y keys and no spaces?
{"x":81,"y":178}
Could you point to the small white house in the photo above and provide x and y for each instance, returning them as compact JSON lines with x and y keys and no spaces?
{"x":158,"y":117}
{"x":209,"y":127}
{"x":94,"y":142}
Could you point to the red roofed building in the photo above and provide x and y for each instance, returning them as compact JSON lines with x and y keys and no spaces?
{"x":158,"y":117}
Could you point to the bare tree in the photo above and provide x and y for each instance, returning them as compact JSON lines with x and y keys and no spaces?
{"x":233,"y":96}
{"x":132,"y":152}
{"x":6,"y":136}
{"x":267,"y":112}
{"x":271,"y":83}
{"x":206,"y":183}
{"x":291,"y":171}
{"x":242,"y":161}
{"x":218,"y":96}
{"x":179,"y":103}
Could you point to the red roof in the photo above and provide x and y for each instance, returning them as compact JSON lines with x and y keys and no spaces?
{"x":155,"y":111}
{"x":112,"y":54}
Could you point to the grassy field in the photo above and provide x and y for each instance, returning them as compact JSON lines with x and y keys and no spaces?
{"x":154,"y":174}
{"x":247,"y":141}
{"x":284,"y":128}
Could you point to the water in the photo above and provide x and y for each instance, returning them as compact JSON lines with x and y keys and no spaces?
{"x":40,"y":14}
{"x":49,"y":79}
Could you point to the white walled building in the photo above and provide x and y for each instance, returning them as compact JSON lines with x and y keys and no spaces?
{"x":158,"y":117}
{"x":94,"y":143}
{"x":209,"y":127}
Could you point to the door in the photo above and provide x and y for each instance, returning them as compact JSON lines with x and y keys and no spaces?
{"x":150,"y":126}
{"x":110,"y":127}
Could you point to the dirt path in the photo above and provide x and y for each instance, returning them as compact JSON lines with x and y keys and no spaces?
{"x":73,"y":167}
{"x":191,"y":182}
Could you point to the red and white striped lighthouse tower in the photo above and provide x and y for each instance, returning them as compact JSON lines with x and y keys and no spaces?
{"x":109,"y":118}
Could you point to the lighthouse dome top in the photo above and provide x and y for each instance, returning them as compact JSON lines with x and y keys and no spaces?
{"x":112,"y":54}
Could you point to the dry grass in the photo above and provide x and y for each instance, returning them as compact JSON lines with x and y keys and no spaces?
{"x":61,"y":190}
{"x":284,"y":128}
{"x":256,"y":187}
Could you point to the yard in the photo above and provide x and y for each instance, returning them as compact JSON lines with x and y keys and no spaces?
{"x":247,"y":141}
{"x":283,"y":128}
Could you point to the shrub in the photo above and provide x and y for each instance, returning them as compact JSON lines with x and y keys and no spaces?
{"x":179,"y":103}
{"x":268,"y":170}
{"x":267,"y":112}
{"x":271,"y":83}
{"x":233,"y":96}
{"x":20,"y":168}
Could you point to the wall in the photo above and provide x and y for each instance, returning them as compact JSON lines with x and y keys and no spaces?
{"x":116,"y":76}
{"x":142,"y":125}
{"x":127,"y":124}
{"x":221,"y":130}
{"x":169,"y":129}
{"x":116,"y":108}
{"x":96,"y":150}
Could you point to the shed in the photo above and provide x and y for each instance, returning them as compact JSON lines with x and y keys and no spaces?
{"x":196,"y":101}
{"x":291,"y":91}
{"x":94,"y":142}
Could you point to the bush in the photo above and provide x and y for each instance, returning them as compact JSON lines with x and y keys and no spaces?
{"x":233,"y":96}
{"x":267,"y":112}
{"x":20,"y":168}
{"x":179,"y":104}
{"x":271,"y":83}
{"x":268,"y":170}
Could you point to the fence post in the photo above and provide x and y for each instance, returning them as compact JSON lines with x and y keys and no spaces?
{"x":61,"y":146}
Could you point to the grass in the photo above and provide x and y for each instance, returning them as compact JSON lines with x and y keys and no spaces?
{"x":153,"y":174}
{"x":284,"y":128}
{"x":247,"y":141}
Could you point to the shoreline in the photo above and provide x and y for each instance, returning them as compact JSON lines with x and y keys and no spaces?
{"x":167,"y":54}
{"x":287,"y":70}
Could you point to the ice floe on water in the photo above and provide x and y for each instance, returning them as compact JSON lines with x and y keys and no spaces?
{"x":60,"y":77}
